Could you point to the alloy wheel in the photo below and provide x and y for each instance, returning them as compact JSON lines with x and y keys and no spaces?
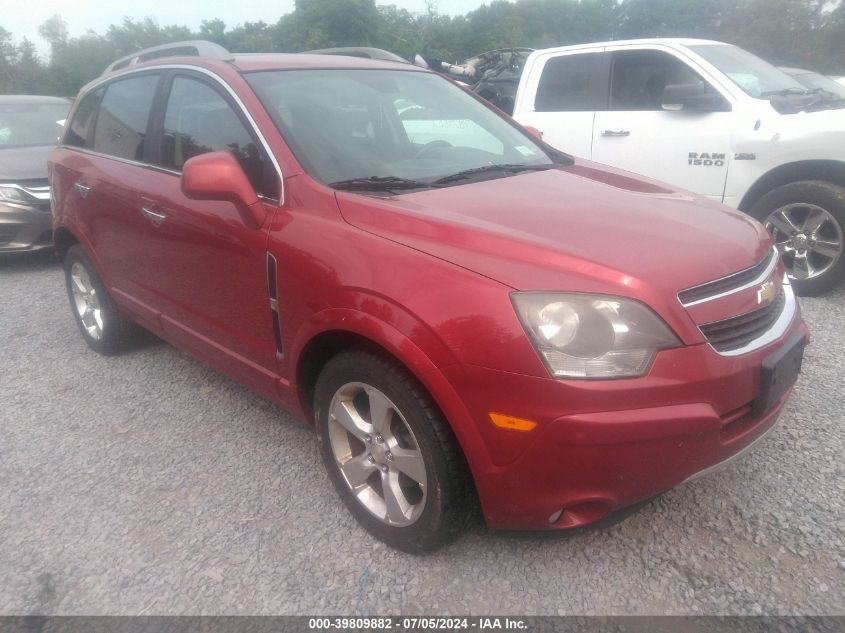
{"x":86,"y":302}
{"x":377,"y":454}
{"x":808,"y":237}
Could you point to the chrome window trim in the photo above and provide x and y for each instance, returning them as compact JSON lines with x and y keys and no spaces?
{"x":778,"y":329}
{"x":158,"y":67}
{"x":774,"y":255}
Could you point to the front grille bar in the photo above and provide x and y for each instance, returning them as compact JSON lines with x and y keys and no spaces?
{"x":735,"y":332}
{"x":755,"y":329}
{"x":730,"y":284}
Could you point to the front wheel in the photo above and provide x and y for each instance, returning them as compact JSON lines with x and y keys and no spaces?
{"x":389,"y":453}
{"x":807,"y":222}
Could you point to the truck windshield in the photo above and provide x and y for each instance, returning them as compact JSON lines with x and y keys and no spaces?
{"x":755,"y":76}
{"x":392,"y":129}
{"x":815,"y":81}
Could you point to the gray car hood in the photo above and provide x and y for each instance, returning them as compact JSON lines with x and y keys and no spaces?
{"x":24,"y":163}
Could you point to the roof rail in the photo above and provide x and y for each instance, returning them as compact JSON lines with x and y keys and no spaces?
{"x":190,"y":48}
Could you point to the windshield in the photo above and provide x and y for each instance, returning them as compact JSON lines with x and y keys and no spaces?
{"x":24,"y":124}
{"x":815,"y":81}
{"x":389,"y":125}
{"x":756,"y":77}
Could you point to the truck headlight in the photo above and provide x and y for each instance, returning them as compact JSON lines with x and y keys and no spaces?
{"x":592,"y":336}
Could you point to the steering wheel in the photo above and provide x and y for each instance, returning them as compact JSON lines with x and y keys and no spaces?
{"x":432,"y":145}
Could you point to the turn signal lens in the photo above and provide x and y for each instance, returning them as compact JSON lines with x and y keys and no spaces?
{"x":510,"y":422}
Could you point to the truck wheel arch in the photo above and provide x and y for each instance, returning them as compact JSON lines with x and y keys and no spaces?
{"x":826,"y":170}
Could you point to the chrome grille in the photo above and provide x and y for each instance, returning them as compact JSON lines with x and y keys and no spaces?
{"x":737,"y":332}
{"x":731,"y":283}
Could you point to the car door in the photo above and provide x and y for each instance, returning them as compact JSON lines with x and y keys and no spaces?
{"x":109,"y":174}
{"x":569,"y":88}
{"x":686,"y":148}
{"x":206,"y":269}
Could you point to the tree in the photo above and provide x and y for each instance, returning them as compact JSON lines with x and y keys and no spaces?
{"x":30,"y":75}
{"x":808,"y":33}
{"x":8,"y":60}
{"x":325,"y":23}
{"x":214,"y":31}
{"x":668,"y":18}
{"x":54,"y":30}
{"x":781,"y":31}
{"x":251,"y":37}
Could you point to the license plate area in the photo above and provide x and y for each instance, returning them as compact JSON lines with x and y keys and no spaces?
{"x":779,"y":372}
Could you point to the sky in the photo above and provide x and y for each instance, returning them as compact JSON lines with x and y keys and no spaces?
{"x":23,"y":17}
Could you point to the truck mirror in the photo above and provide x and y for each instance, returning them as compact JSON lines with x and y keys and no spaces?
{"x":693,"y":97}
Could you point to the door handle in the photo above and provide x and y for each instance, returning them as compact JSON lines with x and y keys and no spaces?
{"x":152,"y":216}
{"x":82,"y":189}
{"x":616,"y":133}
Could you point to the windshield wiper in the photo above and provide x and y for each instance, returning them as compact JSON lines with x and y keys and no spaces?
{"x":830,"y":102}
{"x":789,"y":91}
{"x":379,"y":183}
{"x":508,"y":168}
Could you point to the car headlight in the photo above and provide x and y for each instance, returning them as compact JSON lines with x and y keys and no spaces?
{"x":14,"y":194}
{"x":592,"y":336}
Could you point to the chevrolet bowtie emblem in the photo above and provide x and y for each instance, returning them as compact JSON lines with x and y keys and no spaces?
{"x":766,"y":293}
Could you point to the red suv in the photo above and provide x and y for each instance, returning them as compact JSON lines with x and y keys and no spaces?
{"x":461,"y":311}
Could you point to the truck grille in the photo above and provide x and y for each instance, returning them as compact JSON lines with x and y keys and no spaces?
{"x":736,"y":332}
{"x":731,"y":283}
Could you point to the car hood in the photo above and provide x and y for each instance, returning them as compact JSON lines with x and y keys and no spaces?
{"x":24,"y":163}
{"x":583,"y":227}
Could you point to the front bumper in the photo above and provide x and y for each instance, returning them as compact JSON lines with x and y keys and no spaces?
{"x":620,"y":441}
{"x":25,"y":228}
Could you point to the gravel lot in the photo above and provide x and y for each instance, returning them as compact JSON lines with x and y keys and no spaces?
{"x":148,"y":483}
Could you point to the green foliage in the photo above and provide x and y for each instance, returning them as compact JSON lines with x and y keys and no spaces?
{"x":808,"y":33}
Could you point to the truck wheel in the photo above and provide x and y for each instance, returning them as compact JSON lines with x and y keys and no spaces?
{"x":389,"y":453}
{"x":807,"y":221}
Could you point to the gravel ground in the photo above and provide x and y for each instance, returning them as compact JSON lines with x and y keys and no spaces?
{"x":150,"y":484}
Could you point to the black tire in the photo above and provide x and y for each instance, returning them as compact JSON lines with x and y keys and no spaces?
{"x":450,"y":499}
{"x":116,"y":332}
{"x":826,"y":195}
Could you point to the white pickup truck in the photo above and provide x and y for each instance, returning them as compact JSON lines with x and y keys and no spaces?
{"x":710,"y":118}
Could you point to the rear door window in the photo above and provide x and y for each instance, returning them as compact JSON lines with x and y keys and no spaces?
{"x":198,"y":120}
{"x":573,"y":83}
{"x":81,"y":128}
{"x":121,"y":128}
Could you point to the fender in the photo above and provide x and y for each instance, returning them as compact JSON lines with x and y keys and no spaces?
{"x":71,"y":226}
{"x":413,"y":358}
{"x":830,"y":170}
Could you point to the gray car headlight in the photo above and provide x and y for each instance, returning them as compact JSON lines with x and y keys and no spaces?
{"x":14,"y":194}
{"x":592,"y":336}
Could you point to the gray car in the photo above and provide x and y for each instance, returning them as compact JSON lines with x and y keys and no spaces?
{"x":30,"y":127}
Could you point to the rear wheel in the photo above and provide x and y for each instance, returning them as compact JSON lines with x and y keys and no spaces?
{"x":807,"y":222}
{"x":390,"y":454}
{"x":102,"y":327}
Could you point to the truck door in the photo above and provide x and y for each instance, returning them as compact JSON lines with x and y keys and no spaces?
{"x":567,"y":88}
{"x":687,"y":147}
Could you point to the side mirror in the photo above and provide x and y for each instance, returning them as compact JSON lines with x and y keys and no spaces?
{"x":694,"y":97}
{"x":218,"y":176}
{"x":533,"y":131}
